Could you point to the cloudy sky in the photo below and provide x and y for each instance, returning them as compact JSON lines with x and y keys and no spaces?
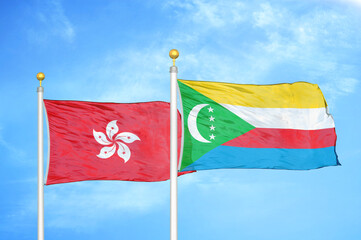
{"x":118,"y":51}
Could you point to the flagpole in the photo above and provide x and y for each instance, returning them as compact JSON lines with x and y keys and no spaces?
{"x":173,"y":148}
{"x":40,"y":76}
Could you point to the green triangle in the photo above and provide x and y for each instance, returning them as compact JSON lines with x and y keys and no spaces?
{"x":215,"y":124}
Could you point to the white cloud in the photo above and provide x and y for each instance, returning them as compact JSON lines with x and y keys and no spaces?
{"x":313,"y":43}
{"x":356,"y":3}
{"x":123,"y":75}
{"x":214,"y":186}
{"x":135,"y":75}
{"x":82,"y":206}
{"x":267,"y":16}
{"x":339,"y":87}
{"x":52,"y":22}
{"x":249,"y":44}
{"x":13,"y":150}
{"x":86,"y":204}
{"x":348,"y":85}
{"x":210,"y":13}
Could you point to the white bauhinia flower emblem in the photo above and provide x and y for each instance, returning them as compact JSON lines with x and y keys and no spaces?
{"x":111,"y":130}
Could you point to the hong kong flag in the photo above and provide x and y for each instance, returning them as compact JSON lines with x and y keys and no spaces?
{"x":108,"y":141}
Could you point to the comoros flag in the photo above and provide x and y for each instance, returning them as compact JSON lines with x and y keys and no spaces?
{"x":281,"y":126}
{"x":108,"y":141}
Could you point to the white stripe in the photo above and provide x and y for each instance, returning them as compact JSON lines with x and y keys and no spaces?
{"x":285,"y":118}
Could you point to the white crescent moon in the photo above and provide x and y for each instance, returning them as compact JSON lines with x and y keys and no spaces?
{"x":192,"y":123}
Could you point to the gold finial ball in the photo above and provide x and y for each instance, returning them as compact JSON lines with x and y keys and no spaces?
{"x":40,"y":76}
{"x":173,"y":53}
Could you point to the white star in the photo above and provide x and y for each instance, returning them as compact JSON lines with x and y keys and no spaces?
{"x":212,"y":128}
{"x":211,"y":119}
{"x":210,"y":109}
{"x":212,"y":137}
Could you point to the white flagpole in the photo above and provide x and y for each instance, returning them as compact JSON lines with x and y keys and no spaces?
{"x":173,"y":148}
{"x":40,"y":76}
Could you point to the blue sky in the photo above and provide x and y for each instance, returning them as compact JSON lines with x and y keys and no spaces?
{"x":118,"y":51}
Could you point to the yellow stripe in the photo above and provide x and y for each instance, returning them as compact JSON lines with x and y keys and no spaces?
{"x":286,"y":95}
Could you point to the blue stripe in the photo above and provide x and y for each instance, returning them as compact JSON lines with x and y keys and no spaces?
{"x":265,"y":158}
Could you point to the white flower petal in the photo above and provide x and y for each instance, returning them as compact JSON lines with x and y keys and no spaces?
{"x":127,"y":137}
{"x":107,"y":152}
{"x":123,"y":151}
{"x":101,"y":138}
{"x":112,"y":129}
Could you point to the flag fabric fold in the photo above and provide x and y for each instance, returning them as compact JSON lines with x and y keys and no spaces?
{"x":108,"y":141}
{"x":281,"y":126}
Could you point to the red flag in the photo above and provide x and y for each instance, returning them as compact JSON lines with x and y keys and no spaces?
{"x":108,"y":141}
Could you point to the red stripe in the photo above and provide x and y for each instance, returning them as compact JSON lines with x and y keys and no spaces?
{"x":285,"y":138}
